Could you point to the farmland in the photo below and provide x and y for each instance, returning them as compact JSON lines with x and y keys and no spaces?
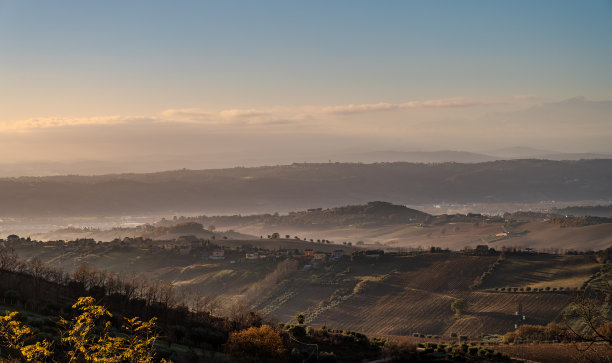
{"x":404,"y":295}
{"x":396,"y":294}
{"x":541,"y":271}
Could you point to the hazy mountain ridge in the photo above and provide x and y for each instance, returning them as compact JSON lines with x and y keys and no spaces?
{"x":158,"y":163}
{"x":299,"y":186}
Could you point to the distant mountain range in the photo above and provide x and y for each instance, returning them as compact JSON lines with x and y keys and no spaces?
{"x":156,"y":163}
{"x":300,"y":186}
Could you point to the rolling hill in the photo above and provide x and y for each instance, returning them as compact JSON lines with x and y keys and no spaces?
{"x":299,"y":186}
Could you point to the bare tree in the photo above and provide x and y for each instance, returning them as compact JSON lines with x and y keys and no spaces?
{"x":589,"y":320}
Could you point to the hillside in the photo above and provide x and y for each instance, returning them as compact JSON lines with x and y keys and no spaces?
{"x":368,"y":215}
{"x":391,"y":294}
{"x":298,"y":186}
{"x":381,"y":224}
{"x":406,"y":295}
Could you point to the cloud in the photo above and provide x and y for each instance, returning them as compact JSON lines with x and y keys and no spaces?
{"x":527,"y":97}
{"x":295,"y":114}
{"x":251,"y":116}
{"x":293,"y":133}
{"x":51,"y":122}
{"x":243,"y":116}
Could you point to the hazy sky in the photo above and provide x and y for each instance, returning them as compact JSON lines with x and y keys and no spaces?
{"x":126,"y":79}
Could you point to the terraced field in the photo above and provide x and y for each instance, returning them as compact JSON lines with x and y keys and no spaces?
{"x":404,"y":295}
{"x":390,"y":295}
{"x":541,"y":271}
{"x":495,"y":312}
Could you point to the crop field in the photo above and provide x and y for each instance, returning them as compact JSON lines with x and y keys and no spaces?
{"x":536,"y":234}
{"x":405,"y":295}
{"x":541,"y":271}
{"x":554,"y":353}
{"x":494,"y":313}
{"x":391,"y":295}
{"x":388,"y":295}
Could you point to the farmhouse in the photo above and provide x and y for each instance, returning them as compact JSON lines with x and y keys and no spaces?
{"x":217,"y":254}
{"x":374,"y":253}
{"x":321,"y":256}
{"x":184,"y":250}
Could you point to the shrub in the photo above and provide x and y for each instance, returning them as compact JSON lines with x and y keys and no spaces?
{"x":297,"y":331}
{"x":256,"y":344}
{"x":327,"y":357}
{"x":300,"y":319}
{"x":458,"y":306}
{"x":400,"y":352}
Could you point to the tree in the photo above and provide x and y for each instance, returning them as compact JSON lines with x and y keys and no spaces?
{"x":300,"y":318}
{"x":458,"y":306}
{"x":88,"y":336}
{"x":13,"y":337}
{"x":254,"y":344}
{"x":589,"y":317}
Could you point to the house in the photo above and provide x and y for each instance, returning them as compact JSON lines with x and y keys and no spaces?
{"x":188,"y":239}
{"x":184,"y":250}
{"x":197,"y":243}
{"x":169,"y":246}
{"x":309,"y":252}
{"x":337,"y":254}
{"x":374,"y":253}
{"x":252,"y":256}
{"x":321,"y":256}
{"x":217,"y":254}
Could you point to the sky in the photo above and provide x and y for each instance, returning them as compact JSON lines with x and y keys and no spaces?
{"x":130,"y":80}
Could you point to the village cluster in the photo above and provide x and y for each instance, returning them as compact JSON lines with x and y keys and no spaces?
{"x":188,"y":245}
